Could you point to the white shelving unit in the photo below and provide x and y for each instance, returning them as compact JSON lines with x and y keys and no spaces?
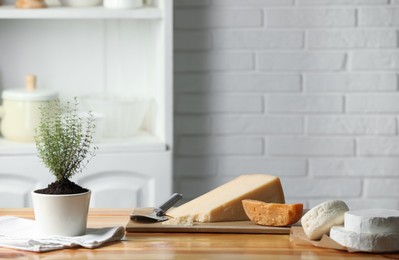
{"x":97,"y":12}
{"x":82,"y":51}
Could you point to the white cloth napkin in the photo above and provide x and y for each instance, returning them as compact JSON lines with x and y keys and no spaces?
{"x":20,"y":233}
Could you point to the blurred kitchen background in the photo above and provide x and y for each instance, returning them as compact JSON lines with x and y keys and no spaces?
{"x":306,"y":90}
{"x":303,"y":89}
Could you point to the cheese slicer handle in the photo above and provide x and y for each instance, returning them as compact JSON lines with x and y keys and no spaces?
{"x":169,"y":203}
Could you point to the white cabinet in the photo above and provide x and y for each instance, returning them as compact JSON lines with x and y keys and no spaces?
{"x":80,"y":51}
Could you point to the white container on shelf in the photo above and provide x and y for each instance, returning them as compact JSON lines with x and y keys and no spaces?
{"x":123,"y":4}
{"x":80,"y":3}
{"x":20,"y":113}
{"x":123,"y":117}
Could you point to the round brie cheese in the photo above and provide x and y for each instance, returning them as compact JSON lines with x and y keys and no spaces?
{"x":382,"y":242}
{"x":372,"y":221}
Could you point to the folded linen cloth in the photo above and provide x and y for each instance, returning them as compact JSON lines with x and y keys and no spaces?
{"x":20,"y":233}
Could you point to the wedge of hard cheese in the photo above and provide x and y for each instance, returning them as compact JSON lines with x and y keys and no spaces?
{"x":224,"y":203}
{"x":272,"y":214}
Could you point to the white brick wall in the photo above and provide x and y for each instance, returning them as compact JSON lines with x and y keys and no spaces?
{"x":303,"y":89}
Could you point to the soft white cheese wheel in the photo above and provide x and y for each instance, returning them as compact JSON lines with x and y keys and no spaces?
{"x":381,"y":242}
{"x":320,"y":219}
{"x":372,"y":221}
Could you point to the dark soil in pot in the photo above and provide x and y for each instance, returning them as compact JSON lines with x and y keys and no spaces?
{"x":62,"y":187}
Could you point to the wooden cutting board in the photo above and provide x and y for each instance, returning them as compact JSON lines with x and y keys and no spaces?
{"x":238,"y":227}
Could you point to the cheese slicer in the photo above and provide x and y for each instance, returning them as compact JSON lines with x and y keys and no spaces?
{"x":155,"y":214}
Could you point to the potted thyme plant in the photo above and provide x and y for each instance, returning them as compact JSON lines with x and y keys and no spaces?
{"x":63,"y":140}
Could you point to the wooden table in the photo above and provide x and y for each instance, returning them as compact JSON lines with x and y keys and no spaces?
{"x":182,"y":246}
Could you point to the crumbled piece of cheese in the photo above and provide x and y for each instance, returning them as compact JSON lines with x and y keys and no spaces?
{"x":382,"y":242}
{"x":372,"y":221}
{"x":272,"y":214}
{"x":224,"y":202}
{"x":180,"y":221}
{"x":319,"y":220}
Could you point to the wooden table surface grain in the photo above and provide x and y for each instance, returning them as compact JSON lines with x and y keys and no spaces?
{"x":182,"y":245}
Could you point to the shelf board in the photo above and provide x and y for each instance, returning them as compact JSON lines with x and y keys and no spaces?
{"x":142,"y":142}
{"x":62,"y":12}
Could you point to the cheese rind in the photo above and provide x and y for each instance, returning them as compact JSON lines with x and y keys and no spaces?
{"x":179,"y":221}
{"x":272,"y":214}
{"x":224,"y":202}
{"x":372,"y":221}
{"x":319,"y":220}
{"x":365,"y":242}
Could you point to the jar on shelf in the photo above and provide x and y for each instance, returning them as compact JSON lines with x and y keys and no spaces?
{"x":27,"y":4}
{"x":123,"y":4}
{"x":20,"y":113}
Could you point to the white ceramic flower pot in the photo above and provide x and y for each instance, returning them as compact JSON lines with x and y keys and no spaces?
{"x":61,"y":215}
